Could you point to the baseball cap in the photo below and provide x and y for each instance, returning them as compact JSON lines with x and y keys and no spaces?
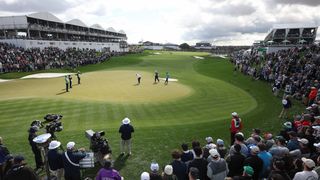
{"x":145,"y":176}
{"x":220,"y":142}
{"x":317,"y":145}
{"x":255,"y":149}
{"x":308,"y":162}
{"x":154,"y":166}
{"x":209,"y":139}
{"x":214,"y":153}
{"x":234,"y":114}
{"x":248,"y":170}
{"x":168,"y":170}
{"x":288,"y":124}
{"x":303,"y":141}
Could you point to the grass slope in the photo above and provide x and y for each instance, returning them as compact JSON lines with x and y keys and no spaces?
{"x":160,"y":127}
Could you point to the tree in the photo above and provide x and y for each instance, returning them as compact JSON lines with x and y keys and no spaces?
{"x":184,"y":46}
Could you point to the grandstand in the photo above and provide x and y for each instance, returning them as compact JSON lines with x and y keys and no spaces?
{"x":43,"y":29}
{"x":285,"y":36}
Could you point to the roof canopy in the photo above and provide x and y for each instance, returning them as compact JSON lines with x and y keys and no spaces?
{"x":76,"y":22}
{"x":122,"y":32}
{"x":97,"y":26}
{"x":45,"y":16}
{"x":111,"y":29}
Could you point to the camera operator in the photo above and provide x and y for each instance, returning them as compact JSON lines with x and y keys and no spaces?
{"x":71,"y":159}
{"x":99,"y":146}
{"x":35,"y":149}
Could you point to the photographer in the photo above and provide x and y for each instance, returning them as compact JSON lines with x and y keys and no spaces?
{"x":55,"y":159}
{"x":71,"y":159}
{"x":35,"y":149}
{"x":99,"y":146}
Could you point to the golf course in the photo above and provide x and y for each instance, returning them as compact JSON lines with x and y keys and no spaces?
{"x":197,"y":104}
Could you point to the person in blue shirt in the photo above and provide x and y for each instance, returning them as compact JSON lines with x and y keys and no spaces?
{"x":55,"y":159}
{"x":71,"y":159}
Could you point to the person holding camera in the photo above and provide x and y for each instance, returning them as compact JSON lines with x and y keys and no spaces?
{"x":55,"y":159}
{"x":126,"y":130}
{"x":100,"y":147}
{"x":71,"y":159}
{"x":35,"y":149}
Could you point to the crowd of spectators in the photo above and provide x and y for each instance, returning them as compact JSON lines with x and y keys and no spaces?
{"x":16,"y":59}
{"x":295,"y":70}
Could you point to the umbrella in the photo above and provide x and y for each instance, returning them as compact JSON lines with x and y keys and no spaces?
{"x":285,"y":41}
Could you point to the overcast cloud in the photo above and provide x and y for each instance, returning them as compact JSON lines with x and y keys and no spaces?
{"x":219,"y":21}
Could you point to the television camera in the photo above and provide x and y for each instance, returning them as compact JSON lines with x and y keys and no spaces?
{"x":53,"y":124}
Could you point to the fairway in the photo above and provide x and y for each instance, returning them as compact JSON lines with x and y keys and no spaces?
{"x":198,"y":105}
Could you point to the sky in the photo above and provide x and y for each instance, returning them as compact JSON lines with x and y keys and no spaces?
{"x":221,"y":22}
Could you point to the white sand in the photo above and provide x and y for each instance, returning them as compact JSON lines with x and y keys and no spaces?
{"x":198,"y":57}
{"x":170,"y":79}
{"x":46,"y":75}
{"x":3,"y":80}
{"x":157,"y":53}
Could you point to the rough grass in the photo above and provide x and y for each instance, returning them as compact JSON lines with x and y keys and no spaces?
{"x":160,"y":126}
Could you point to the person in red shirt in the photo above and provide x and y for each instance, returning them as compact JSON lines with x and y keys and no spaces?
{"x":235,"y":126}
{"x":312,"y":95}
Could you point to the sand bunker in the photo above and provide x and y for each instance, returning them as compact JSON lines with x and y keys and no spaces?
{"x":3,"y":80}
{"x":198,"y":57}
{"x":46,"y":75}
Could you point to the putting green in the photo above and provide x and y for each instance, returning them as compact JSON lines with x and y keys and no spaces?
{"x":110,"y":86}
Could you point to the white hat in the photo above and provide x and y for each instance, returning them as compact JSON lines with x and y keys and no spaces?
{"x":211,"y":146}
{"x":126,"y":121}
{"x":317,"y":117}
{"x":255,"y":149}
{"x":54,"y":144}
{"x":168,"y":170}
{"x":234,"y":114}
{"x":284,"y":102}
{"x":308,"y":162}
{"x":303,"y":141}
{"x":154,"y":166}
{"x":240,"y":133}
{"x":214,"y":153}
{"x":317,"y":145}
{"x":220,"y":142}
{"x":145,"y":176}
{"x":209,"y":139}
{"x":70,"y":145}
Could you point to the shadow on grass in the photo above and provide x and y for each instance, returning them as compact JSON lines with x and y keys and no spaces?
{"x":120,"y":162}
{"x":61,"y":93}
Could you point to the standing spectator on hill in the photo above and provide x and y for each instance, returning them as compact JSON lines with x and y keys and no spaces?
{"x":156,"y":77}
{"x":20,"y":171}
{"x":167,"y":78}
{"x":3,"y":153}
{"x":126,"y":130}
{"x":286,"y":105}
{"x":312,"y":95}
{"x":67,"y":83}
{"x":222,"y":150}
{"x":254,"y":161}
{"x":239,"y":139}
{"x":208,"y":146}
{"x":279,"y":150}
{"x":308,"y":172}
{"x":186,"y":155}
{"x":217,"y":167}
{"x":71,"y":159}
{"x":235,"y":126}
{"x":266,"y":157}
{"x":235,"y":162}
{"x":70,"y":81}
{"x":193,"y":174}
{"x":107,"y":172}
{"x":168,"y":173}
{"x":78,"y":77}
{"x":138,"y":78}
{"x":35,"y":149}
{"x":200,"y":163}
{"x":179,"y":167}
{"x":293,"y":143}
{"x":278,"y":170}
{"x":55,"y":159}
{"x":155,"y":174}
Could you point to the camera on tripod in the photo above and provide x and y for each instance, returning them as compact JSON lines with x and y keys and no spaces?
{"x":54,"y":124}
{"x":97,"y":142}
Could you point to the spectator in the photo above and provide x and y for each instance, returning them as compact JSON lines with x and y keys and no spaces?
{"x":235,"y":126}
{"x":312,"y":95}
{"x":254,"y":161}
{"x":193,"y":174}
{"x":55,"y":159}
{"x":168,"y":173}
{"x":154,"y":174}
{"x":307,"y":173}
{"x":222,"y":150}
{"x":107,"y":172}
{"x":35,"y":149}
{"x":20,"y":171}
{"x":293,"y":143}
{"x":126,"y":130}
{"x":279,"y":170}
{"x":217,"y":167}
{"x":279,"y":150}
{"x":208,"y":146}
{"x":246,"y":174}
{"x":239,"y":139}
{"x":3,"y":153}
{"x":235,"y":162}
{"x":286,"y":103}
{"x":179,"y":167}
{"x":266,"y":158}
{"x":8,"y":164}
{"x":200,"y":163}
{"x":186,"y":155}
{"x":298,"y":167}
{"x":71,"y":159}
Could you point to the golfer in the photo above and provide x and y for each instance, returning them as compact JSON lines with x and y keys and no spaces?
{"x":126,"y":130}
{"x":67,"y":83}
{"x":156,"y":77}
{"x":167,"y":78}
{"x":138,"y":78}
{"x":78,"y":76}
